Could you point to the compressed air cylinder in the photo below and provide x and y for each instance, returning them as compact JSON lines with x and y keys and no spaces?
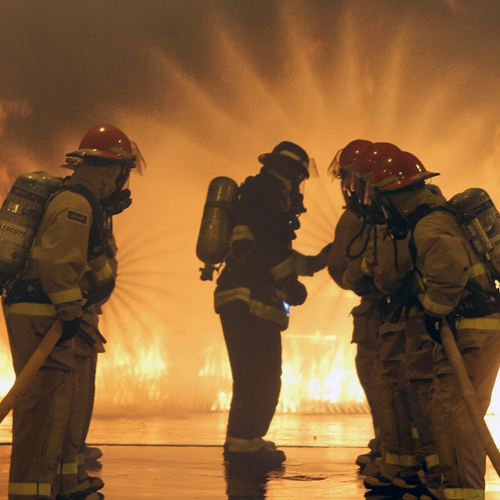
{"x":481,"y":224}
{"x":20,"y":216}
{"x":213,"y":239}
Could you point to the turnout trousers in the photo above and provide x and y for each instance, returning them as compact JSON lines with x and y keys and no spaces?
{"x":461,"y":453}
{"x":72,"y":471}
{"x":72,"y":467}
{"x":366,"y":324}
{"x":254,"y":349}
{"x":395,"y":416}
{"x":41,"y":415}
{"x":419,"y":372}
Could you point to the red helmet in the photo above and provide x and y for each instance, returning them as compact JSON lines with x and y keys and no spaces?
{"x":399,"y":170}
{"x":372,"y":155}
{"x":106,"y":141}
{"x":346,"y":157}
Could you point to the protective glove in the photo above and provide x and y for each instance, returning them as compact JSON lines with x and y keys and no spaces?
{"x":295,"y":293}
{"x":433,"y":326}
{"x":320,"y":260}
{"x":69,"y":330}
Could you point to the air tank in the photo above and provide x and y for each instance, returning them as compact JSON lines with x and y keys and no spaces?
{"x":20,"y":215}
{"x":481,"y":223}
{"x":213,"y":239}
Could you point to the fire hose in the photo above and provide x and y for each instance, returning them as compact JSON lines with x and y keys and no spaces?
{"x":27,"y":374}
{"x":469,"y":396}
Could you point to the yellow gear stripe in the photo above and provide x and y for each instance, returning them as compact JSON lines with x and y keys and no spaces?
{"x":453,"y":494}
{"x":290,"y":154}
{"x":392,"y":458}
{"x":473,"y":494}
{"x":30,"y":309}
{"x":244,"y":445}
{"x":222,"y":298}
{"x":69,"y":295}
{"x":486,"y":323}
{"x":256,"y":308}
{"x":242,"y":233}
{"x":104,"y":273}
{"x":283,"y":269}
{"x":67,"y":469}
{"x":408,"y":460}
{"x":432,"y":460}
{"x":30,"y":489}
{"x":463,"y":494}
{"x":436,"y":308}
{"x":476,"y":270}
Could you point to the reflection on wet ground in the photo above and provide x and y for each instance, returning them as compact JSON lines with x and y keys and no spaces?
{"x":180,"y":458}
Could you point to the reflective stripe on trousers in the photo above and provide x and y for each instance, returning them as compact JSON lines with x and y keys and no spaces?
{"x":29,"y":489}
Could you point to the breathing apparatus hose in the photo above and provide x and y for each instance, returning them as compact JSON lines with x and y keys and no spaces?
{"x":24,"y":379}
{"x":469,"y":396}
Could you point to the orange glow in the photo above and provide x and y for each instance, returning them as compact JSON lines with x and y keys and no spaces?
{"x":165,"y":350}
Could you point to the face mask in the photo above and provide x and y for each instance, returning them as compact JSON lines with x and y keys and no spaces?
{"x":397,"y":225}
{"x":117,"y":202}
{"x":297,"y":203}
{"x":120,"y":199}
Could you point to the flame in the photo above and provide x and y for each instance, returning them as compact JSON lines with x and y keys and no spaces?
{"x":328,"y":384}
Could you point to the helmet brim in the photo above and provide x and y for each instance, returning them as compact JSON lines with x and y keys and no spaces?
{"x":99,"y":153}
{"x":395,"y":184}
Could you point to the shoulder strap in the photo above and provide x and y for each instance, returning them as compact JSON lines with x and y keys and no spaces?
{"x":424,"y":210}
{"x":98,"y":240}
{"x":421,"y":212}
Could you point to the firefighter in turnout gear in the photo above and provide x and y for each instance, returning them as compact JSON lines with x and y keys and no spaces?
{"x":404,"y":351}
{"x":404,"y":377}
{"x":452,"y":284}
{"x":254,"y":292}
{"x":69,"y":270}
{"x":352,"y":234}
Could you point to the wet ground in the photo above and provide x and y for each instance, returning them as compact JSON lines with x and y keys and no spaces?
{"x":178,"y":457}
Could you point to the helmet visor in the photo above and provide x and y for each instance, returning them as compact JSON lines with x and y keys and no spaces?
{"x":369,"y":193}
{"x":334,"y":170}
{"x":312,"y":168}
{"x":140,"y":163}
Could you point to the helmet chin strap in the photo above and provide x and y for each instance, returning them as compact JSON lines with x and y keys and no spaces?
{"x":397,"y":224}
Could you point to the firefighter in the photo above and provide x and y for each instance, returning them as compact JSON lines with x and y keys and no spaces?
{"x":404,"y":359}
{"x":68,"y":270}
{"x":450,"y":283}
{"x":254,"y":292}
{"x":403,"y":380}
{"x":352,"y":234}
